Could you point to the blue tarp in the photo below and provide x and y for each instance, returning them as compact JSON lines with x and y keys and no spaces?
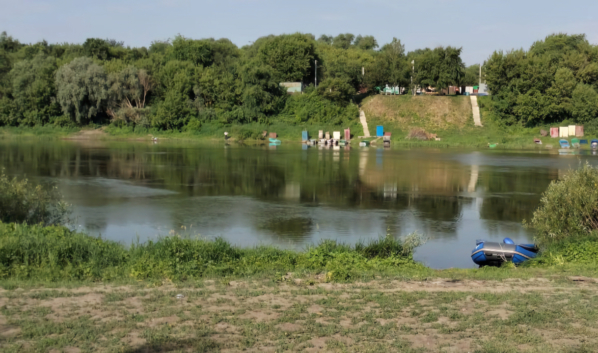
{"x":380,"y":131}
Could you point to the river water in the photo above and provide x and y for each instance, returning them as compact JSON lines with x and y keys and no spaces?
{"x":292,"y":196}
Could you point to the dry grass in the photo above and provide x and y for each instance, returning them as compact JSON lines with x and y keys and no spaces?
{"x":430,"y":112}
{"x":309,"y":316}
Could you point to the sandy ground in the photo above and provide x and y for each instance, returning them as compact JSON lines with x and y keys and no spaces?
{"x":299,"y":315}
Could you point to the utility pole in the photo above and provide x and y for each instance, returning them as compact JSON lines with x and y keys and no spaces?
{"x":480,"y":75}
{"x":412,"y":73}
{"x":316,"y":73}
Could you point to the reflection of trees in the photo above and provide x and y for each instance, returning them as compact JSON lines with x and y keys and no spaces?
{"x":295,"y":228}
{"x":439,"y":208}
{"x":512,"y":195}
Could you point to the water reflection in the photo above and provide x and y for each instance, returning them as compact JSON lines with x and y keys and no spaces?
{"x":292,"y":196}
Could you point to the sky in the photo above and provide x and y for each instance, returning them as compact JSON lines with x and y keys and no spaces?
{"x":480,"y":27}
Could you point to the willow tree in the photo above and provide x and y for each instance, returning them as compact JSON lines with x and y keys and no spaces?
{"x":82,"y":89}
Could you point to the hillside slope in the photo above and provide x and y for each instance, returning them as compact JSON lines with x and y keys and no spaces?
{"x":433,"y":113}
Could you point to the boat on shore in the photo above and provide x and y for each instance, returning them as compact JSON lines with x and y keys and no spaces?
{"x":495,"y":254}
{"x":564,"y":144}
{"x":594,"y":144}
{"x":275,"y":141}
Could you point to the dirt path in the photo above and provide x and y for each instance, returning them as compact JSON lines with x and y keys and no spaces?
{"x":476,"y":111}
{"x":94,"y":134}
{"x":364,"y":123}
{"x":304,"y":315}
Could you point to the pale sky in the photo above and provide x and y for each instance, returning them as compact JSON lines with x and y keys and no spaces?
{"x":480,"y":27}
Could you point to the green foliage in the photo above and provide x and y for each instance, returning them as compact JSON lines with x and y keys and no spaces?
{"x":569,"y":208}
{"x":96,"y":48}
{"x":33,"y":91}
{"x":20,"y":201}
{"x":584,"y":103}
{"x":198,"y":52}
{"x":291,"y":56}
{"x":312,"y":107}
{"x":336,"y":89}
{"x":82,"y":89}
{"x":343,"y":262}
{"x":54,"y":253}
{"x":554,"y":81}
{"x":186,"y":83}
{"x":439,"y":67}
{"x":579,"y":250}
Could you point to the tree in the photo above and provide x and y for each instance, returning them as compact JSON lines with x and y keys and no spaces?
{"x":8,"y":43}
{"x":82,"y":89}
{"x":549,"y":83}
{"x":393,"y":56}
{"x":33,"y":89}
{"x":127,"y":94}
{"x":176,"y":109}
{"x":337,"y":90}
{"x":365,"y":43}
{"x":291,"y":56}
{"x":343,"y":41}
{"x":325,"y":39}
{"x":584,"y":103}
{"x":96,"y":48}
{"x":439,"y":68}
{"x":472,"y":75}
{"x":199,"y":52}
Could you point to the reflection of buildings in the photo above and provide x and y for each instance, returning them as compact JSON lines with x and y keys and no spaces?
{"x":473,"y":180}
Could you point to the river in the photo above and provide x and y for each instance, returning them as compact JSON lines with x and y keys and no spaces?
{"x":291,"y":195}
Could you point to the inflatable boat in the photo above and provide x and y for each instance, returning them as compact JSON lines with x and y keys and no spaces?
{"x":494,"y":254}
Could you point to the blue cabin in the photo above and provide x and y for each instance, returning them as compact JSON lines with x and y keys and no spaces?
{"x":380,"y":131}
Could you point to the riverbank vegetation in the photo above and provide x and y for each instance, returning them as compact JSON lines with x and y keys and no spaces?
{"x":46,"y":251}
{"x":555,"y":81}
{"x":185,"y":84}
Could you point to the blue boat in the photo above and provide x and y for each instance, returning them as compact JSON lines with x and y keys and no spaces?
{"x":564,"y":144}
{"x":495,"y":254}
{"x":275,"y":141}
{"x":594,"y":144}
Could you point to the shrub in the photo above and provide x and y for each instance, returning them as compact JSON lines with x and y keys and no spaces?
{"x":20,"y":201}
{"x":568,"y":208}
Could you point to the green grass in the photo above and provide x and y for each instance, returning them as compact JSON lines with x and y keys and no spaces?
{"x":254,"y":314}
{"x":448,"y":117}
{"x":452,"y":121}
{"x":39,"y":131}
{"x":55,"y":253}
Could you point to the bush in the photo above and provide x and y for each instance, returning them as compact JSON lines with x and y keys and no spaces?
{"x":20,"y":202}
{"x":569,"y":208}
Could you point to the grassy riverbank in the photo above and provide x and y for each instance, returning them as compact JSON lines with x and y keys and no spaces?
{"x":71,"y":292}
{"x":262,"y":315}
{"x":209,"y":131}
{"x":448,"y":117}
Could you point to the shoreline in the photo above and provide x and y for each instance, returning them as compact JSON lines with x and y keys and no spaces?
{"x":99,"y":134}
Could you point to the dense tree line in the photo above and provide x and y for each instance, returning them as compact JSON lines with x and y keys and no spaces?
{"x":182,"y":83}
{"x":555,"y":80}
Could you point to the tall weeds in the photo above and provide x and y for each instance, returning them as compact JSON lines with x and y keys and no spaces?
{"x":56,"y":253}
